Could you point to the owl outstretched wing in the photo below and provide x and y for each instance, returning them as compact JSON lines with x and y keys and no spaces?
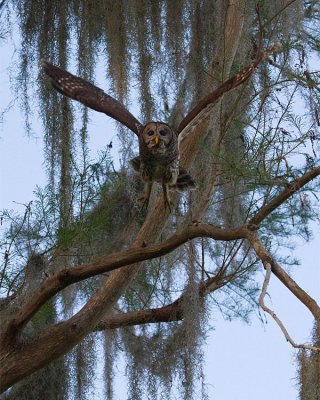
{"x":88,"y":94}
{"x":204,"y":107}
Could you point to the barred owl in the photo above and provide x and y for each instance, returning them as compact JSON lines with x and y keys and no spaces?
{"x":158,"y":142}
{"x":159,"y":161}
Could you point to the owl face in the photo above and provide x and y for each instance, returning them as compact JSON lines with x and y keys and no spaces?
{"x":157,"y":136}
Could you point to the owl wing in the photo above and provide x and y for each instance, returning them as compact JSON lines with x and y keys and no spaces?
{"x":135,"y":163}
{"x":91,"y":96}
{"x":203,"y":108}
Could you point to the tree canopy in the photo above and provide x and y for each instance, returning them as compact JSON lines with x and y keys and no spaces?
{"x":84,"y":267}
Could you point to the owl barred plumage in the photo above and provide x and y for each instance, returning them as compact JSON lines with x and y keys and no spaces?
{"x":158,"y":142}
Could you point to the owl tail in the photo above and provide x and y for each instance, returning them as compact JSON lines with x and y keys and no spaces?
{"x":184,"y":182}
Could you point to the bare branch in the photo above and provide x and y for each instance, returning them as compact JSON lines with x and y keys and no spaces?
{"x":284,"y":195}
{"x":267,"y":266}
{"x":265,"y":257}
{"x":277,"y":13}
{"x":168,"y":313}
{"x":140,"y":251}
{"x":171,"y":312}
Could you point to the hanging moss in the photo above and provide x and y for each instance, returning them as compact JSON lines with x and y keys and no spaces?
{"x":308,"y":378}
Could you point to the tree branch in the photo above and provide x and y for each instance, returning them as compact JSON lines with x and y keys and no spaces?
{"x":140,"y":252}
{"x":171,"y":312}
{"x":59,"y":339}
{"x":284,"y":195}
{"x":266,"y":258}
{"x":267,"y":266}
{"x":168,"y":313}
{"x":277,"y":13}
{"x":107,"y":263}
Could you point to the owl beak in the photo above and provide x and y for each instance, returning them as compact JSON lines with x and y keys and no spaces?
{"x":156,"y":140}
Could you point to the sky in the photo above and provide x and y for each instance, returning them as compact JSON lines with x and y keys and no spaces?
{"x":242,"y":361}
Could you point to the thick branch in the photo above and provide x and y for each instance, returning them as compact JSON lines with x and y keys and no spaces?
{"x":133,"y":254}
{"x":170,"y":312}
{"x":61,"y":338}
{"x":284,"y":195}
{"x":19,"y":361}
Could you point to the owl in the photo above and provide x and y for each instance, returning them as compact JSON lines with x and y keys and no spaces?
{"x":158,"y":159}
{"x":159,"y":143}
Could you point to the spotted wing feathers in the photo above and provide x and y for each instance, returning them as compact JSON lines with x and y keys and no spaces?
{"x":88,"y":94}
{"x":203,"y":109}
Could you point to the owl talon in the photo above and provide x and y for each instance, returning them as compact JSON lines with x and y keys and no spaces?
{"x":145,"y":202}
{"x":166,"y":198}
{"x":167,"y":203}
{"x":145,"y":198}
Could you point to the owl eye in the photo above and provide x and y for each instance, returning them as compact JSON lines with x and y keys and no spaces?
{"x":162,"y":132}
{"x":150,"y":133}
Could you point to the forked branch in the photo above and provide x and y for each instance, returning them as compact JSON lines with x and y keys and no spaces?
{"x":266,"y":258}
{"x":137,"y":253}
{"x":268,"y":268}
{"x":53,"y":284}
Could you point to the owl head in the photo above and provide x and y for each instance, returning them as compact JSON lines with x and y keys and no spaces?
{"x":157,"y":136}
